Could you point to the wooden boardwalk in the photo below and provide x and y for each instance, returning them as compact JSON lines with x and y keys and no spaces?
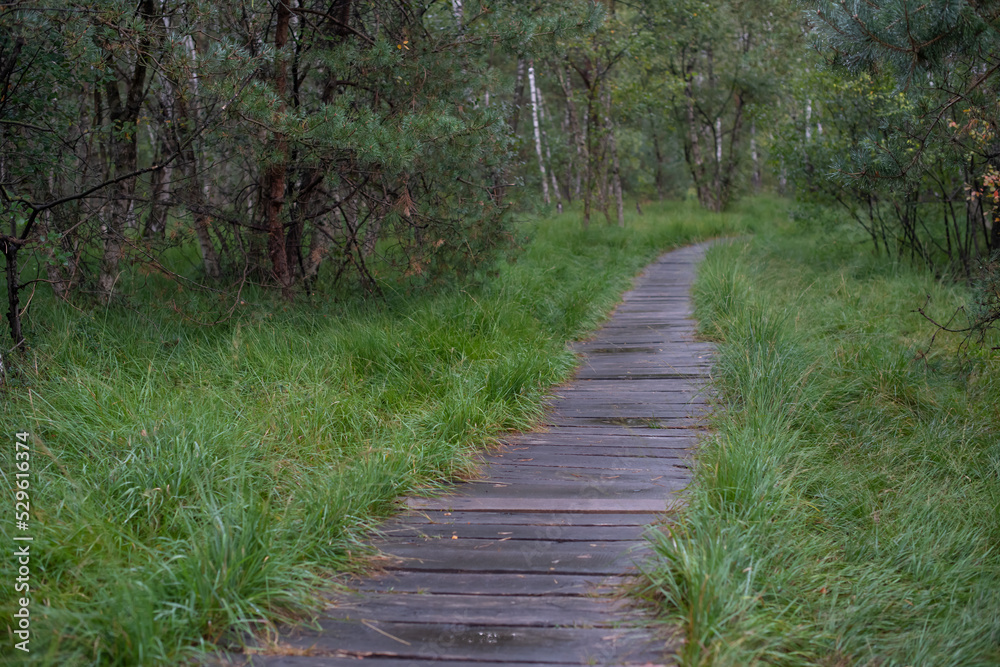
{"x":526,"y":564}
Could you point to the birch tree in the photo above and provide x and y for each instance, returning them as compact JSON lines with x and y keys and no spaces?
{"x":538,"y":136}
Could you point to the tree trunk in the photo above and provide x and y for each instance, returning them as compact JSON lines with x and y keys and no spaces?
{"x":732,"y":162}
{"x":159,"y":186}
{"x":603,"y":183}
{"x":156,"y":223}
{"x":326,"y":230}
{"x":717,"y":175}
{"x":695,"y":160}
{"x":609,"y":127}
{"x":10,"y":246}
{"x":274,"y":179}
{"x":755,"y":157}
{"x":548,"y":151}
{"x":588,"y":186}
{"x":10,"y":250}
{"x":515,"y":115}
{"x":538,"y":135}
{"x":197,"y":203}
{"x":809,"y":113}
{"x":576,"y":134}
{"x":122,"y":155}
{"x":659,"y":178}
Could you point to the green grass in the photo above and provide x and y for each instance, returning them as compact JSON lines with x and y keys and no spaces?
{"x":846,"y":509}
{"x":193,"y":484}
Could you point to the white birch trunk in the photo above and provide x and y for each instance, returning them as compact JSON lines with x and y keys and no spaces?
{"x":548,"y":151}
{"x":718,"y":141}
{"x":809,"y":113}
{"x":533,"y":91}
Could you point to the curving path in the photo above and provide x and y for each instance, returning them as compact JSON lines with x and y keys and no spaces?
{"x":525,"y":565}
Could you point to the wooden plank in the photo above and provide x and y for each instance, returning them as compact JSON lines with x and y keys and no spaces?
{"x":678,"y":452}
{"x":541,"y":557}
{"x":645,"y":449}
{"x":602,"y":409}
{"x":513,"y":532}
{"x":547,"y":505}
{"x":639,"y":390}
{"x":626,"y":477}
{"x":605,"y":432}
{"x":590,"y":482}
{"x":561,"y":491}
{"x":687,"y":399}
{"x":530,"y":518}
{"x":679,"y":399}
{"x":613,"y":458}
{"x":651,"y":371}
{"x":625,"y":422}
{"x":459,"y":641}
{"x":490,"y":583}
{"x":509,"y":610}
{"x":645,"y":363}
{"x":532,"y":471}
{"x":607,"y":437}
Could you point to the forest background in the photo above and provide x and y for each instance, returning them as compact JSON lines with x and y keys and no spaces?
{"x":177,"y":177}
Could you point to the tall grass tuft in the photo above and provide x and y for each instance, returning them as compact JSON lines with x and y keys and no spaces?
{"x":845,"y":509}
{"x":195,"y":484}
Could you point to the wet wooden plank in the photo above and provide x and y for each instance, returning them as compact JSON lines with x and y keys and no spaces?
{"x":558,"y":491}
{"x":612,"y":432}
{"x":514,"y":532}
{"x":596,"y":454}
{"x":607,"y":437}
{"x":603,"y":409}
{"x":461,"y":641}
{"x":547,"y":505}
{"x":638,"y":388}
{"x":490,"y":583}
{"x":626,"y":470}
{"x":510,"y":610}
{"x":649,"y":370}
{"x":626,"y":478}
{"x":611,"y":458}
{"x":639,"y":422}
{"x":646,"y":374}
{"x":531,"y":518}
{"x":560,"y":482}
{"x":607,"y":558}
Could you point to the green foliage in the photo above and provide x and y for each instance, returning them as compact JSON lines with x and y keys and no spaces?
{"x":910,"y":128}
{"x":717,"y":67}
{"x":843,"y":509}
{"x":357,"y":136}
{"x":190,"y":484}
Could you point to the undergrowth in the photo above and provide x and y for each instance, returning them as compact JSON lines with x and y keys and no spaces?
{"x":846,"y":509}
{"x":191,"y":484}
